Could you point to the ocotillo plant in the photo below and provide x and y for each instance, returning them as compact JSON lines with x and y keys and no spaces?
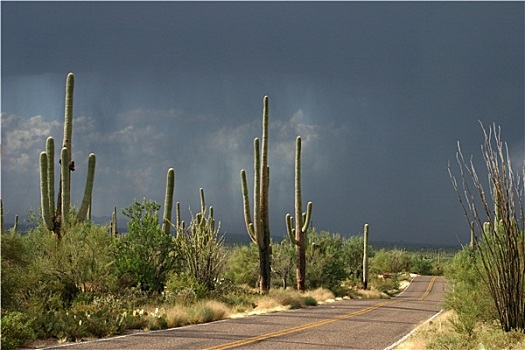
{"x":201,"y":247}
{"x":56,"y":217}
{"x":302,"y":221}
{"x":168,"y":201}
{"x":365,"y":257}
{"x":258,"y":228}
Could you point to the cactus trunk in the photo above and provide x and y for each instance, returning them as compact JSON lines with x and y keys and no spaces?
{"x":1,"y":216}
{"x":302,"y":222}
{"x":365,"y":257}
{"x":259,"y":228}
{"x":65,"y":184}
{"x":114,"y":229}
{"x":168,"y":201}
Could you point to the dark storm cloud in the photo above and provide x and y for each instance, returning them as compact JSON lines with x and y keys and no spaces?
{"x":379,"y":91}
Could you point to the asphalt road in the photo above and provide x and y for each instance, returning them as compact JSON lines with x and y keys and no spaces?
{"x":346,"y":324}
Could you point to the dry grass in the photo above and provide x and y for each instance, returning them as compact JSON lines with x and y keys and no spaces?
{"x":439,"y":334}
{"x":419,"y":339}
{"x":320,"y":294}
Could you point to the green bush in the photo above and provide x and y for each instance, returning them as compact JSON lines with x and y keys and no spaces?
{"x":469,"y":296}
{"x":390,"y":261}
{"x":184,"y":288}
{"x":242,"y":266}
{"x":145,"y":255}
{"x":16,"y":329}
{"x":325,"y":264}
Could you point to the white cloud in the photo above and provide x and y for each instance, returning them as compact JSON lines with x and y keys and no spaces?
{"x":23,"y":140}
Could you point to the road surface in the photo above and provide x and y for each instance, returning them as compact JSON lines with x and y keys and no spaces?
{"x":346,"y":324}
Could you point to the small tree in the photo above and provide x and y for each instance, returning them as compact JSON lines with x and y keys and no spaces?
{"x":146,"y":254}
{"x":498,"y":217}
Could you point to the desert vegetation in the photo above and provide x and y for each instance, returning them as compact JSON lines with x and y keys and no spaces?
{"x":486,"y":300}
{"x":69,"y":279}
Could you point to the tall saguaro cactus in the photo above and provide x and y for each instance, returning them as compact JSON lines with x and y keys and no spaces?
{"x":365,"y":257}
{"x":55,"y":217}
{"x":259,"y":228}
{"x":302,"y":221}
{"x":168,"y":201}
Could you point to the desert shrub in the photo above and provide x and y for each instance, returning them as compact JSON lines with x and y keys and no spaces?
{"x":495,"y":212}
{"x":325,"y":265}
{"x":421,"y":264}
{"x":201,"y":249}
{"x":390,"y":261}
{"x":184,"y":288}
{"x":283,"y":263}
{"x":242,"y":266}
{"x":48,"y":273}
{"x":16,"y":329}
{"x":353,"y":258}
{"x":145,"y":255}
{"x":469,"y":296}
{"x":15,"y":259}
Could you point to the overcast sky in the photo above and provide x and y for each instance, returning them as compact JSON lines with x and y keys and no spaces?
{"x":379,"y":91}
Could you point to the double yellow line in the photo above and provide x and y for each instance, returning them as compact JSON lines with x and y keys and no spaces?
{"x":429,"y":288}
{"x":287,"y":331}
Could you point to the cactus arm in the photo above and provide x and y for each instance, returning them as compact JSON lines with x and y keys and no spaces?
{"x":246,"y":204}
{"x":50,"y":151}
{"x":257,"y":208}
{"x":203,"y":201}
{"x":306,"y":217}
{"x":290,"y":229}
{"x":44,"y":191}
{"x":64,"y":156}
{"x":15,"y":226}
{"x":168,"y":201}
{"x":88,"y":189}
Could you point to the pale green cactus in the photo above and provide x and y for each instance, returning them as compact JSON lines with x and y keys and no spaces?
{"x":168,"y":201}
{"x":259,"y":228}
{"x":302,"y":222}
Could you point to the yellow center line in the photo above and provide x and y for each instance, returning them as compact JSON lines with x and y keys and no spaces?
{"x":287,"y":331}
{"x":429,"y":288}
{"x":262,"y":337}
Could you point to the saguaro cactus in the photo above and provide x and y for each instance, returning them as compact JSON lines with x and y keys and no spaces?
{"x":114,"y":225}
{"x":55,"y":217}
{"x":1,"y":216}
{"x":365,"y":257}
{"x":302,"y":221}
{"x":168,"y":201}
{"x":259,"y":228}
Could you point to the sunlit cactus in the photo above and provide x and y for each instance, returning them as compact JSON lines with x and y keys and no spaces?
{"x":258,"y":228}
{"x":168,"y":201}
{"x":114,"y":224}
{"x":302,"y":222}
{"x":53,"y":216}
{"x":365,"y":257}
